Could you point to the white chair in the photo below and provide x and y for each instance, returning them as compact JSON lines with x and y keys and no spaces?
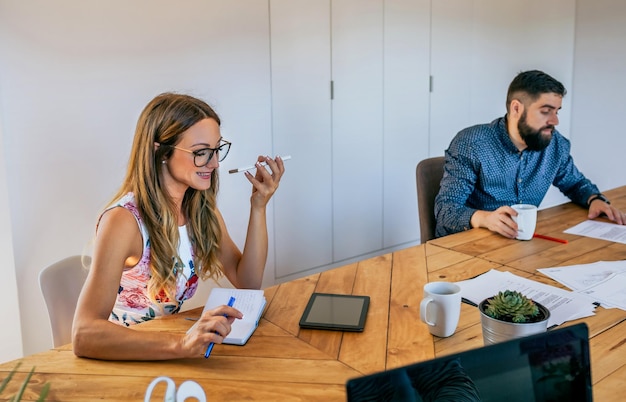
{"x":60,"y":285}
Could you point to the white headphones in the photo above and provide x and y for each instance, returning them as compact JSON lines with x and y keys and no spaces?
{"x":188,"y":389}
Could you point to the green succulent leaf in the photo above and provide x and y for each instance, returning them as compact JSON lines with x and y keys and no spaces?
{"x":512,"y":306}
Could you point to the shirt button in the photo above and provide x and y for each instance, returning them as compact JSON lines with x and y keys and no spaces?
{"x":519,"y":180}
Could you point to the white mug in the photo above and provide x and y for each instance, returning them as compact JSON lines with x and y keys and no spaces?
{"x":441,"y":307}
{"x":526,"y":220}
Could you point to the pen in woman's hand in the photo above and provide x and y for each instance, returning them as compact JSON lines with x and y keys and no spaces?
{"x":243,"y":169}
{"x":209,"y":348}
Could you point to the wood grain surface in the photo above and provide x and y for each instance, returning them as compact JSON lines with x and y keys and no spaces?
{"x":286,"y":363}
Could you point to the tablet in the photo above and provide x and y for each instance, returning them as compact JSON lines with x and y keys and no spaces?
{"x":335,"y":312}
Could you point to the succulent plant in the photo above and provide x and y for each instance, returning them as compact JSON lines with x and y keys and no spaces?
{"x":512,"y":306}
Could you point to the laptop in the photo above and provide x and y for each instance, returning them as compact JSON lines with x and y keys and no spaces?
{"x":551,"y":366}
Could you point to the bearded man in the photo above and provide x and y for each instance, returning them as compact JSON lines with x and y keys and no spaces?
{"x":513,"y":160}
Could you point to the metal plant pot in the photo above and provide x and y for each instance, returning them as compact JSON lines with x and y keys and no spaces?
{"x":495,"y":331}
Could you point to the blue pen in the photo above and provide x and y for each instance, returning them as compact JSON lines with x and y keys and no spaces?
{"x":209,"y":348}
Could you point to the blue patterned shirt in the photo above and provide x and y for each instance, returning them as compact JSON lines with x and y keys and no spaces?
{"x":484,"y":171}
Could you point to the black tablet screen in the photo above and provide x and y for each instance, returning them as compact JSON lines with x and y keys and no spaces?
{"x":334,"y":311}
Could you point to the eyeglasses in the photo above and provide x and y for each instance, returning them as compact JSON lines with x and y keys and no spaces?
{"x":202,"y":156}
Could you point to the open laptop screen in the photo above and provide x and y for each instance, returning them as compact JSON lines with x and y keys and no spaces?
{"x":552,"y":366}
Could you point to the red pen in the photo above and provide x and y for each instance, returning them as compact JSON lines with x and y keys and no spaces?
{"x":540,"y":236}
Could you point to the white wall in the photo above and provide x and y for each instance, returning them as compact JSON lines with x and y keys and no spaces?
{"x":598,"y":138}
{"x":11,"y":339}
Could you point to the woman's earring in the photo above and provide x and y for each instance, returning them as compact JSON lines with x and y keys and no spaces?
{"x":164,"y":161}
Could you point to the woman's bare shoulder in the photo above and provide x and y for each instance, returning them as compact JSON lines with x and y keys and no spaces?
{"x":118,"y":230}
{"x":117,"y":218}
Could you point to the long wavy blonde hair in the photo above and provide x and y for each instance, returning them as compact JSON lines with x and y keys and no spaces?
{"x":163,"y":121}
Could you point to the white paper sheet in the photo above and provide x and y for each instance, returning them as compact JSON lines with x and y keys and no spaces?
{"x":563,"y":305}
{"x":250,"y":302}
{"x":603,"y":281}
{"x":600,"y":230}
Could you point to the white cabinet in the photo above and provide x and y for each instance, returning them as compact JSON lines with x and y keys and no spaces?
{"x":406,"y":111}
{"x":301,"y":125}
{"x":357,"y":127}
{"x":352,"y":190}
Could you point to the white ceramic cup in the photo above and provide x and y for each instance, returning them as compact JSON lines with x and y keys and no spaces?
{"x":526,"y":220}
{"x":441,"y":307}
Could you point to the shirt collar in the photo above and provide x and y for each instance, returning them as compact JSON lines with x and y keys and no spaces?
{"x":505,"y":139}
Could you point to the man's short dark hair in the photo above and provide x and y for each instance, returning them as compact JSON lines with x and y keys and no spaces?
{"x":532,"y":84}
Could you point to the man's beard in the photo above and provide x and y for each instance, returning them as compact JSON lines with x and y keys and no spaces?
{"x":534,"y":139}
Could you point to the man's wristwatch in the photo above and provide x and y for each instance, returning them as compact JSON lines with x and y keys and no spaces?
{"x":597,"y":197}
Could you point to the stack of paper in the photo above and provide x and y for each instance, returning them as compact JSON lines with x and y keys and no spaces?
{"x":603,"y":281}
{"x":563,"y":305}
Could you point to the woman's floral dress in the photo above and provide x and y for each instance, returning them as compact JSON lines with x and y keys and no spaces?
{"x":133,"y":305}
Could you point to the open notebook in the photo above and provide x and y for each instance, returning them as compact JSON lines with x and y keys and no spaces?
{"x":250,"y":302}
{"x":552,"y":366}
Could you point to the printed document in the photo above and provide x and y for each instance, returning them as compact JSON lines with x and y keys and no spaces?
{"x":600,"y":230}
{"x":603,"y":281}
{"x":563,"y":305}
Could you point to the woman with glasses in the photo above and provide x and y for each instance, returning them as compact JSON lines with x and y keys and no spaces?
{"x":162,"y":232}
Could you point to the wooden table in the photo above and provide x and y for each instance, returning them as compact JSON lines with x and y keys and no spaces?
{"x":282,"y":362}
{"x":473,"y":249}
